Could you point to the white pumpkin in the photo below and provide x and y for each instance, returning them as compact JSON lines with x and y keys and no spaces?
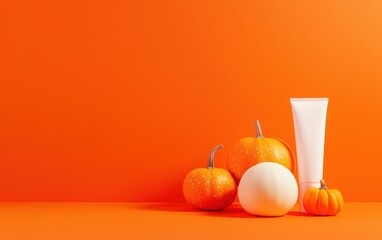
{"x":268,"y":189}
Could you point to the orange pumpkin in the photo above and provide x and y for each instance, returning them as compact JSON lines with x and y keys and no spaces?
{"x":209,"y":188}
{"x":323,"y":201}
{"x":249,"y":151}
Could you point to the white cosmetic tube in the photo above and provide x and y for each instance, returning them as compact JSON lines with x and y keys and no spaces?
{"x":309,"y":117}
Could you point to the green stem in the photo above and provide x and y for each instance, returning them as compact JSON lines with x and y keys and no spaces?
{"x":212,"y":156}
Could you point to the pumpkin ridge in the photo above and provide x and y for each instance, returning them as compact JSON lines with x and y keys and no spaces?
{"x":307,"y":199}
{"x":333,"y":203}
{"x":316,"y":210}
{"x":340,"y":199}
{"x":314,"y":198}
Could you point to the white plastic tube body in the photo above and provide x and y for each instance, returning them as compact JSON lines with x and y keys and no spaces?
{"x":309,"y":117}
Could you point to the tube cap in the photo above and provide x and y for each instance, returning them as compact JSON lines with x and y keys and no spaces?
{"x":303,"y":187}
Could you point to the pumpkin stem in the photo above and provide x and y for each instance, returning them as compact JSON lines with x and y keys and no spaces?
{"x":211,"y":159}
{"x":259,"y":133}
{"x":323,"y":184}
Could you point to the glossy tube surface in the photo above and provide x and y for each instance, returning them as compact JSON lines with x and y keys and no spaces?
{"x":309,"y":117}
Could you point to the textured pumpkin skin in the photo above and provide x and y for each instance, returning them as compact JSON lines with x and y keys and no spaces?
{"x":250,"y":151}
{"x":209,"y":189}
{"x":323,"y":201}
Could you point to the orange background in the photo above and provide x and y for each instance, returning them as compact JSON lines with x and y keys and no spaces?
{"x":118,"y":100}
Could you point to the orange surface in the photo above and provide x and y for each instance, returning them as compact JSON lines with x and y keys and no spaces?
{"x":82,"y":221}
{"x":117,"y":100}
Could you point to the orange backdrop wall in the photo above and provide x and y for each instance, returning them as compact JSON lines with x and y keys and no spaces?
{"x":118,"y":100}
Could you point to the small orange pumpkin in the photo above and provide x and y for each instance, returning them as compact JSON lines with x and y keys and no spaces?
{"x":210,"y":188}
{"x":323,"y":201}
